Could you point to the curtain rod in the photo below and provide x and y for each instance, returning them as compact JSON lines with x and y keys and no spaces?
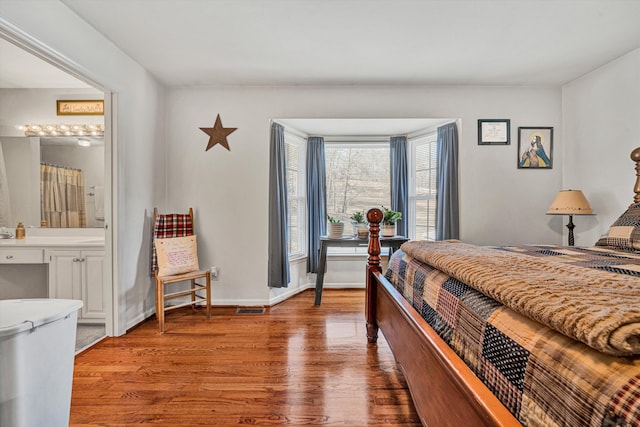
{"x":58,"y":166}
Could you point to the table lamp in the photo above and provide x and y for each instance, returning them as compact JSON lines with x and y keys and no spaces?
{"x":570,"y":202}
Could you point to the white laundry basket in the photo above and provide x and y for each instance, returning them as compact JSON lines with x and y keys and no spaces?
{"x":37,"y":346}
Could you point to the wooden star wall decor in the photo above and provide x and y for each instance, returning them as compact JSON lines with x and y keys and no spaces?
{"x":218,"y":134}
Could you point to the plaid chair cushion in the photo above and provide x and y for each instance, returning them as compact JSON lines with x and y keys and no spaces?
{"x":168,"y":226}
{"x":625,"y":232}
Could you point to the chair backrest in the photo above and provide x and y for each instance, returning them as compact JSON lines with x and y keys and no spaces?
{"x":166,"y":226}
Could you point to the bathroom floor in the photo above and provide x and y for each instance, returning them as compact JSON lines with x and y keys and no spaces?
{"x":87,"y":335}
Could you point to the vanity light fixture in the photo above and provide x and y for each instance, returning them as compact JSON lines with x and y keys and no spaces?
{"x":34,"y":129}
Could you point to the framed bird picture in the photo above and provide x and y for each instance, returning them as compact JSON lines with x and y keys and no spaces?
{"x":535,"y":147}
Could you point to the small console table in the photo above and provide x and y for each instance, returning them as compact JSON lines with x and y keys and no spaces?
{"x":393,"y":243}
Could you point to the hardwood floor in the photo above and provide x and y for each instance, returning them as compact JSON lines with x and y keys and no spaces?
{"x":294,"y":365}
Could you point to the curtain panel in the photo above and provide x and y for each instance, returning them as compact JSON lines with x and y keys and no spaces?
{"x":278,"y":216}
{"x":316,"y":199}
{"x":447,"y":211}
{"x":399,"y":178}
{"x":62,"y":202}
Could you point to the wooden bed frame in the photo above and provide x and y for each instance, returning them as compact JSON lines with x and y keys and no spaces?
{"x":445,"y":391}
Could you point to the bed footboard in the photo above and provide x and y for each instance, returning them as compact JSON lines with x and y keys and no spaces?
{"x":444,"y":390}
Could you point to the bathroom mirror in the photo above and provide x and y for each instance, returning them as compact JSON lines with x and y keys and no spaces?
{"x":29,"y":91}
{"x":74,"y":156}
{"x":81,"y":159}
{"x":20,"y":181}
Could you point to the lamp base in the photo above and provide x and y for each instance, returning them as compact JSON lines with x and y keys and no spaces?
{"x":570,"y":226}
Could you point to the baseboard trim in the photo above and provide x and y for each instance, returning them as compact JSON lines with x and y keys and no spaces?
{"x":143,"y":317}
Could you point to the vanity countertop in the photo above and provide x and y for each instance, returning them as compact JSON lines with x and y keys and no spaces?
{"x":51,"y":241}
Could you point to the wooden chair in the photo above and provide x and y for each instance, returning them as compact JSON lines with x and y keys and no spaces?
{"x":170,"y":226}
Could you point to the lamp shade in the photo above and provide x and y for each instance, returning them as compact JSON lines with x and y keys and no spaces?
{"x":570,"y":202}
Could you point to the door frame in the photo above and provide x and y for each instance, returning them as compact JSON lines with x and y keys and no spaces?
{"x":45,"y":53}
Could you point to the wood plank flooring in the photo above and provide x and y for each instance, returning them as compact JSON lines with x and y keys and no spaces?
{"x":297,"y":364}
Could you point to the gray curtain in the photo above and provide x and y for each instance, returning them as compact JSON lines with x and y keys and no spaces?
{"x":278,"y":251}
{"x":447,"y":225}
{"x":316,"y":199}
{"x":399,"y":177}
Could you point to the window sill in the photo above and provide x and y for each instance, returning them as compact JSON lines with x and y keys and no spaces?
{"x":297,"y":259}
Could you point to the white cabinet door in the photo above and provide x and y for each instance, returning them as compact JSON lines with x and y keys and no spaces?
{"x":77,"y":274}
{"x":65,"y":274}
{"x":92,"y":289}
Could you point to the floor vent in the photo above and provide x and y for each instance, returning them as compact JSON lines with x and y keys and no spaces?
{"x":250,"y":310}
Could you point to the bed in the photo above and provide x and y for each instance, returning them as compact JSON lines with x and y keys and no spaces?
{"x":533,"y":335}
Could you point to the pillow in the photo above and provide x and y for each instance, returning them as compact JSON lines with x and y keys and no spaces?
{"x":176,"y":255}
{"x":625,"y":232}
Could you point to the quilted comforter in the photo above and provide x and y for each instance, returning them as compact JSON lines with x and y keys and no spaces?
{"x":544,"y":377}
{"x":592,"y":295}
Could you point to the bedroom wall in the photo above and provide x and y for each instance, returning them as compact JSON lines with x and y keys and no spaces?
{"x":500,"y":204}
{"x":229,"y":189}
{"x":138,"y":129}
{"x":601,"y":121}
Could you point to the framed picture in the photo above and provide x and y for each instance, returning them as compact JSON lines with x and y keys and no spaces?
{"x":91,"y":107}
{"x":494,"y":131}
{"x":535,"y":147}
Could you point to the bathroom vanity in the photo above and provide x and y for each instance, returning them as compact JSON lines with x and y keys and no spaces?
{"x":72,"y":266}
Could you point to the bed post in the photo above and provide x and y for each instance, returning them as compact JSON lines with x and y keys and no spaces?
{"x":635,"y":156}
{"x":374,"y":216}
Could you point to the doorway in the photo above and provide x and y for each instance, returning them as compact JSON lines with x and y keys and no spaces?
{"x":33,"y":69}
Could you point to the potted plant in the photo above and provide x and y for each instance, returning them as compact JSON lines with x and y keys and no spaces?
{"x":389,"y":219}
{"x":336,"y":227}
{"x":360,"y":226}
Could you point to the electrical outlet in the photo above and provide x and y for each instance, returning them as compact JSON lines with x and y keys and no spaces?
{"x":214,"y":273}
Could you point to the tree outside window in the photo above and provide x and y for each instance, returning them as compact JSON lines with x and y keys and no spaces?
{"x":357,"y":176}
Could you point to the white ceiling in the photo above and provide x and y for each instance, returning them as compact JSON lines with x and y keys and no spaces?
{"x":350,"y":42}
{"x":370,"y":42}
{"x":22,"y":70}
{"x":344,"y":42}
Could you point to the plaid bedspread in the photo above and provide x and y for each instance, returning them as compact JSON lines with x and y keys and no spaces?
{"x":542,"y":376}
{"x":565,"y":292}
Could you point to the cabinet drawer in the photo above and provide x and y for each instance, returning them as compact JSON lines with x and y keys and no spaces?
{"x":21,"y":256}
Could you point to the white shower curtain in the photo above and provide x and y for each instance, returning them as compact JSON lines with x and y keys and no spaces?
{"x":5,"y":205}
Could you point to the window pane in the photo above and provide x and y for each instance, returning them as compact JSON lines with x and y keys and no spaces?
{"x":357,"y":179}
{"x":426,"y":219}
{"x":422,"y":182}
{"x":291,"y":153}
{"x":296,"y":202}
{"x":291,"y":162}
{"x":423,"y":198}
{"x":292,"y":224}
{"x":425,"y":164}
{"x":292,"y":183}
{"x":433,"y":185}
